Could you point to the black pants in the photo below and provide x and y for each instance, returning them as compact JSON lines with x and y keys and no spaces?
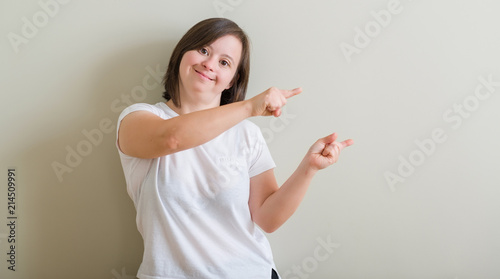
{"x":274,"y":275}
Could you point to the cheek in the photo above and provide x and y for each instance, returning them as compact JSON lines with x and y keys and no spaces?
{"x":189,"y":58}
{"x":228,"y":77}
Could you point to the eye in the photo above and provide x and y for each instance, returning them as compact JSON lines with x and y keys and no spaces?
{"x":224,"y":63}
{"x":204,"y":51}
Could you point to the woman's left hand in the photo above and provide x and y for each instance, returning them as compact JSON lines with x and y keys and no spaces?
{"x":325,"y":151}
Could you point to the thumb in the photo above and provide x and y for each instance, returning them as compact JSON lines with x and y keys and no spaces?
{"x":277,"y":113}
{"x":326,"y":143}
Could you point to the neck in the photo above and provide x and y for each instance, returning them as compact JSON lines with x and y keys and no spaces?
{"x":192,"y":101}
{"x":188,"y":107}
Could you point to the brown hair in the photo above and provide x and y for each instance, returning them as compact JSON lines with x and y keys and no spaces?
{"x":202,"y":34}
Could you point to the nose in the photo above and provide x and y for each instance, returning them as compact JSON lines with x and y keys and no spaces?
{"x":208,"y":63}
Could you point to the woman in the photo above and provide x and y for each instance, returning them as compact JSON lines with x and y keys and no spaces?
{"x":200,"y":174}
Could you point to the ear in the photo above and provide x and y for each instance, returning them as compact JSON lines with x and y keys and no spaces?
{"x":236,"y":77}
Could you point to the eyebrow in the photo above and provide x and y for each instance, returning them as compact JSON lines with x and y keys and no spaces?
{"x":228,"y":57}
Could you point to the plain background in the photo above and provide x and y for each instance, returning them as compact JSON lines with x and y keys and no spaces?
{"x":78,"y":63}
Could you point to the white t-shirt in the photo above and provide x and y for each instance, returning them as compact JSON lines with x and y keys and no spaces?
{"x":192,"y":206}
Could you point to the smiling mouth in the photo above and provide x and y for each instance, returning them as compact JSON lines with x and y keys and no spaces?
{"x":203,"y":75}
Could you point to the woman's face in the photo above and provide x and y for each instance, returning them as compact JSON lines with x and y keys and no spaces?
{"x":206,"y":72}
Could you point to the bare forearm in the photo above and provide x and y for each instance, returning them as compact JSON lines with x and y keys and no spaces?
{"x":272,"y":207}
{"x":281,"y":205}
{"x":196,"y":128}
{"x":193,"y":129}
{"x":143,"y":134}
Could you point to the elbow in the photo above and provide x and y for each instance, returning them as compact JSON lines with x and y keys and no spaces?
{"x":270,"y":229}
{"x":165,"y":142}
{"x":267,"y":221}
{"x":170,"y":144}
{"x":169,"y":140}
{"x":269,"y":225}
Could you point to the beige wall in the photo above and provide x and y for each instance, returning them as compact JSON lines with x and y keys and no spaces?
{"x":417,"y":196}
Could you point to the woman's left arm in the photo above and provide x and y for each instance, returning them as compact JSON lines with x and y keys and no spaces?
{"x":271,"y":205}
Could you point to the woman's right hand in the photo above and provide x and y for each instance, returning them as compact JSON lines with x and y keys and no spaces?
{"x":271,"y":101}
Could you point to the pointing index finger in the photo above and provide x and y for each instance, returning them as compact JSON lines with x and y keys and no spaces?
{"x":346,"y":143}
{"x":290,"y":93}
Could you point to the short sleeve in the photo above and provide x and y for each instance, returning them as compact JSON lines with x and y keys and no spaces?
{"x":133,"y":108}
{"x":260,"y":156}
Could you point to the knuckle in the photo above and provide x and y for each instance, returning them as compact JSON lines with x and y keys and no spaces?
{"x":267,"y":99}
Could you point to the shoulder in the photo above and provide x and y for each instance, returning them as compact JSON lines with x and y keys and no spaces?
{"x":249,"y":126}
{"x":157,"y":109}
{"x":250,"y":131}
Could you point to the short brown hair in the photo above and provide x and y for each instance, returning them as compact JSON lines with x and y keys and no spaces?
{"x":202,"y":34}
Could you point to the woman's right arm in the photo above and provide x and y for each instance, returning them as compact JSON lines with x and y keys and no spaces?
{"x":145,"y":135}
